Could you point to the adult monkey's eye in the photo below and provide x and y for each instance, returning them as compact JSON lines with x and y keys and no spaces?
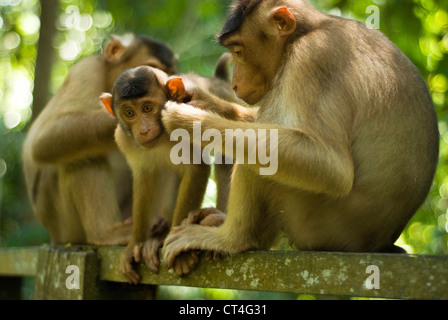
{"x":238,"y":51}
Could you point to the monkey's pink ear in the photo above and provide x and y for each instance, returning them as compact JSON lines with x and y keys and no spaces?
{"x":176,"y":89}
{"x":106,"y":99}
{"x":114,"y":49}
{"x":284,"y":20}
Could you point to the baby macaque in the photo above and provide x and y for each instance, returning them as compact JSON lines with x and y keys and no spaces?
{"x":70,"y":156}
{"x":137,"y":100}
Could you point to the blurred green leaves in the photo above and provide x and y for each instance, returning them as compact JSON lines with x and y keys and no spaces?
{"x":418,"y":27}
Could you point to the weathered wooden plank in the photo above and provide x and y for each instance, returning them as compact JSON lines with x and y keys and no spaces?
{"x":322,"y":273}
{"x":400,"y":276}
{"x":73,"y":274}
{"x":18,"y":261}
{"x":53,"y":273}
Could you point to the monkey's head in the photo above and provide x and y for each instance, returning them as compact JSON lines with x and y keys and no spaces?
{"x":137,"y":100}
{"x":130,"y":51}
{"x":257,"y":33}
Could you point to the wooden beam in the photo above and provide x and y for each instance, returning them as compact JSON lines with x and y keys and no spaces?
{"x":73,"y":274}
{"x":320,"y":273}
{"x":18,"y":261}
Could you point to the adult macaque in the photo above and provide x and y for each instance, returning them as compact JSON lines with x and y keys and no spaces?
{"x":227,"y":106}
{"x":137,"y":101}
{"x":77,"y":181}
{"x":357,"y":134}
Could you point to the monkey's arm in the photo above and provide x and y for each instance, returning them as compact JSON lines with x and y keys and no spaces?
{"x":306,"y":160}
{"x":145,"y":194}
{"x":230,"y":110}
{"x":191,"y":191}
{"x":74,"y":135}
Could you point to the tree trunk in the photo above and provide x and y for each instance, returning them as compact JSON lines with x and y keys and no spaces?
{"x":45,"y":54}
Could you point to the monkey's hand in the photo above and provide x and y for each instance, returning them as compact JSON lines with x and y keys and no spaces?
{"x":150,"y":250}
{"x":179,"y":242}
{"x":204,"y":100}
{"x":150,"y":254}
{"x":210,"y":217}
{"x":176,"y":116}
{"x":185,"y":239}
{"x":185,"y":262}
{"x":130,"y":254}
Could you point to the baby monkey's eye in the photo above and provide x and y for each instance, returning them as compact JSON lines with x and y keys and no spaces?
{"x":148,"y":108}
{"x":129,"y":113}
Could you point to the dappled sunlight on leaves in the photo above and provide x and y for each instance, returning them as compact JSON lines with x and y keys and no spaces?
{"x":419,"y":28}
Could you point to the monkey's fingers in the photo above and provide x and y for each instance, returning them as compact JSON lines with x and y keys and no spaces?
{"x":177,"y":242}
{"x":176,"y":230}
{"x":159,"y":227}
{"x":196,"y":216}
{"x":187,"y":97}
{"x":198,"y":98}
{"x":129,"y":273}
{"x":152,"y":262}
{"x":210,"y":217}
{"x":170,"y":253}
{"x":213,"y":255}
{"x":150,"y":254}
{"x":185,"y":262}
{"x":213,"y":220}
{"x":138,"y":252}
{"x":175,"y":115}
{"x":169,"y":258}
{"x":126,"y":268}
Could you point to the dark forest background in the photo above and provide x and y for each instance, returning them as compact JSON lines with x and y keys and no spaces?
{"x":41,"y":40}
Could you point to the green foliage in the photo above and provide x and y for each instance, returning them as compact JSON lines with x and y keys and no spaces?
{"x":188,"y":26}
{"x":418,"y":27}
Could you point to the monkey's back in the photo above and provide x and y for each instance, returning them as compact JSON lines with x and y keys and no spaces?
{"x":393,"y":135}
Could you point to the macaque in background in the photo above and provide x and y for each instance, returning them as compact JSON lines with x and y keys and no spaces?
{"x":77,"y":180}
{"x":357,"y":134}
{"x":137,"y":101}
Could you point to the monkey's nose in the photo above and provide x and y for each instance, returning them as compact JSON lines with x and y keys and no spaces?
{"x":145,"y":133}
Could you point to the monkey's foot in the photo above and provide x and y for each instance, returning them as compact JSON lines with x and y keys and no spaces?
{"x":210,"y":217}
{"x":159,"y":228}
{"x":185,"y":262}
{"x":150,"y":252}
{"x":146,"y":251}
{"x":184,"y":239}
{"x":130,"y":254}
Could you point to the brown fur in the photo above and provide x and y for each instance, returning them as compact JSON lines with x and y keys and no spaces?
{"x":358,"y":136}
{"x":147,"y":148}
{"x":71,"y":162}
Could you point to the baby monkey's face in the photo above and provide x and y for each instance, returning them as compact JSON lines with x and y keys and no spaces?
{"x":137,"y":101}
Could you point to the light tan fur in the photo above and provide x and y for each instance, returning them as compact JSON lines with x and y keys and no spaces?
{"x":358,"y":136}
{"x":77,"y":181}
{"x":147,"y":149}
